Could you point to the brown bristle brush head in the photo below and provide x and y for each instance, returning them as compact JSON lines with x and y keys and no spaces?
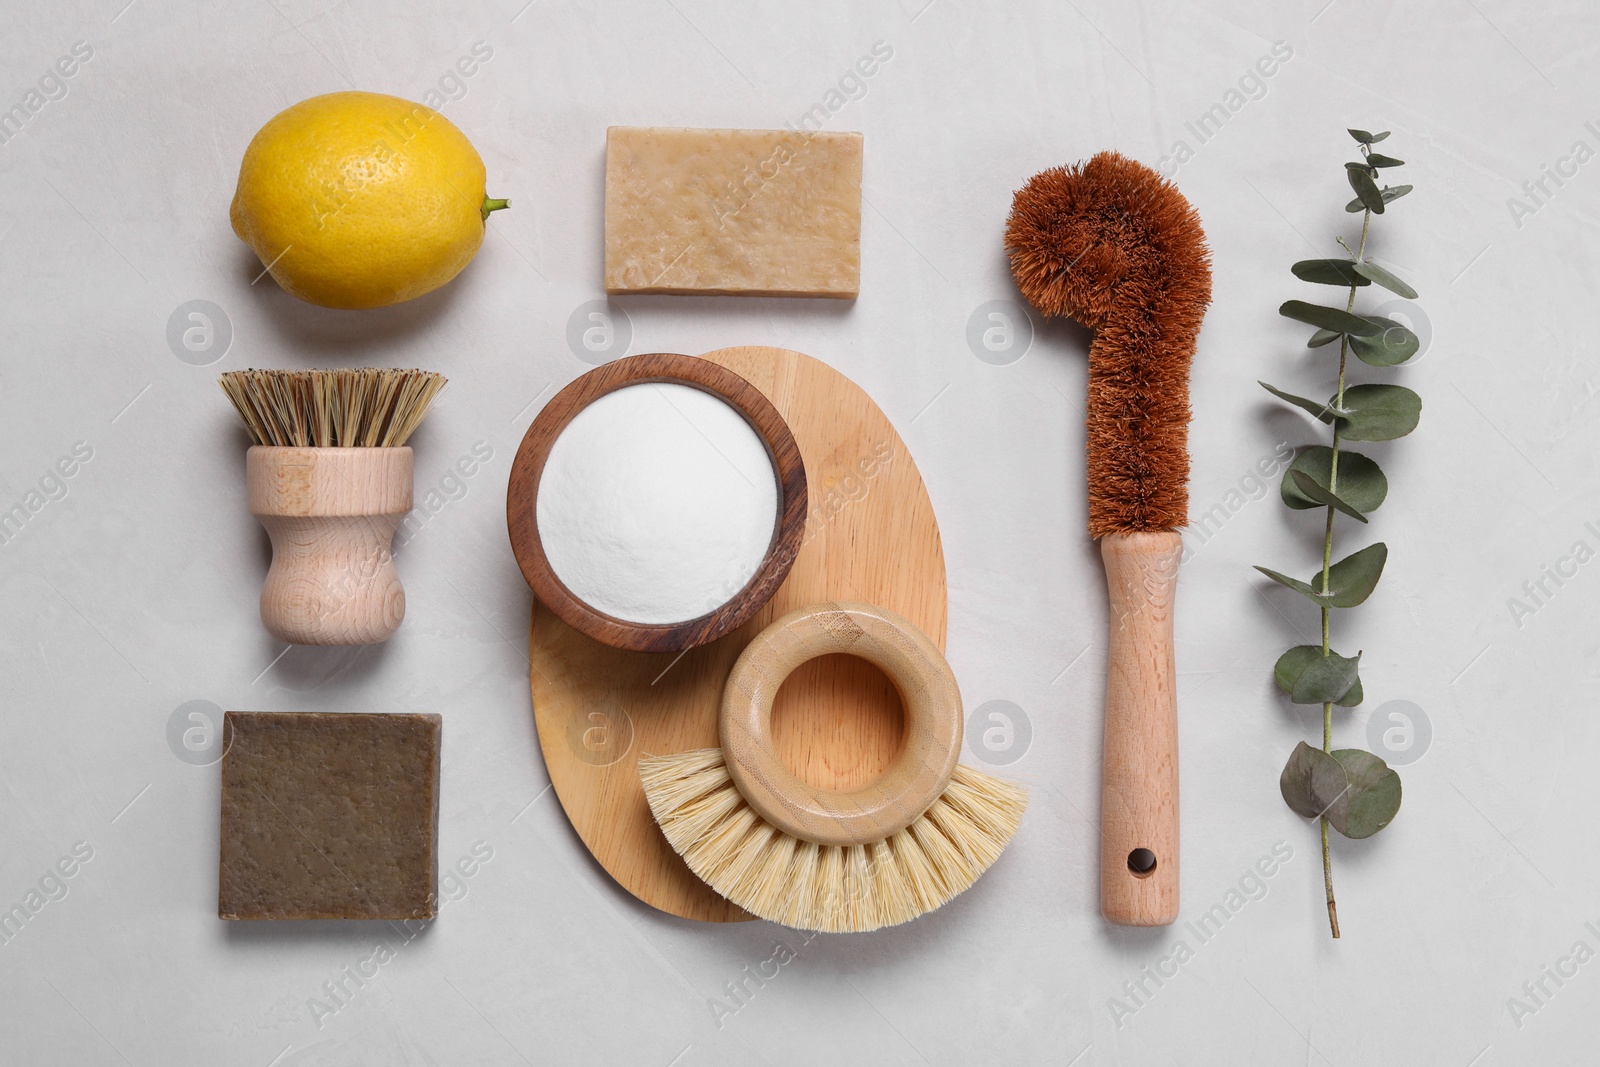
{"x":1113,"y":245}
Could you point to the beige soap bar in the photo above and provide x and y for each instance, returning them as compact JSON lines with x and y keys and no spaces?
{"x":747,"y":212}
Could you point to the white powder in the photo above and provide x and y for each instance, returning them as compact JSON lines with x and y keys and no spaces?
{"x":657,"y":503}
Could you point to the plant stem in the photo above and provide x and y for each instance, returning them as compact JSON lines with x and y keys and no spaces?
{"x":1327,"y":563}
{"x":1327,"y":881}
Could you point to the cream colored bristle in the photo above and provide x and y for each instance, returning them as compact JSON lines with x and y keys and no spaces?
{"x":354,"y":408}
{"x":831,"y":888}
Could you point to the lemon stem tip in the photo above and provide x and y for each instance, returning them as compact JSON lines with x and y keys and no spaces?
{"x":491,"y":204}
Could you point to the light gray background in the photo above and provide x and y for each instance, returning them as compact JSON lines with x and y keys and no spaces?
{"x":137,"y":592}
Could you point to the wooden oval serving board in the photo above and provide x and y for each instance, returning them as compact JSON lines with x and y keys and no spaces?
{"x":870,"y":535}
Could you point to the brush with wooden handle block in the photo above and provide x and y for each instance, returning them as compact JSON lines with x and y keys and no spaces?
{"x":1113,"y":245}
{"x":329,"y":478}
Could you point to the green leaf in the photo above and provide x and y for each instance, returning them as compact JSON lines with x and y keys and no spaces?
{"x":1325,"y":412}
{"x":1370,"y":270}
{"x":1366,"y":189}
{"x":1361,"y":481}
{"x":1322,"y":337}
{"x":1393,"y":346}
{"x":1390,"y":195}
{"x":1374,"y":159}
{"x":1379,"y":412}
{"x":1312,"y":781}
{"x":1297,"y":585}
{"x":1352,"y":579}
{"x":1353,"y":697}
{"x":1308,"y":487}
{"x":1329,"y":272}
{"x":1371,"y":799}
{"x":1368,"y":138}
{"x":1328,"y":318}
{"x":1309,"y":677}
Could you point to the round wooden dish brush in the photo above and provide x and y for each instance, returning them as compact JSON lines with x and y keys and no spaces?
{"x":1112,"y":244}
{"x":329,"y":477}
{"x":816,"y":859}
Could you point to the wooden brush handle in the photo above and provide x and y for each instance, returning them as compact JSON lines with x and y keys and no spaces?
{"x":331,"y":514}
{"x":1139,"y":790}
{"x":919,"y":774}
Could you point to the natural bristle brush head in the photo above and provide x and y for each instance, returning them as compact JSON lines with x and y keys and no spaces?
{"x":349,"y":408}
{"x":832,"y":888}
{"x":1113,"y":245}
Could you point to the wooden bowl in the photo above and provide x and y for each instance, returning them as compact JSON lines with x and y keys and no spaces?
{"x":523,"y":492}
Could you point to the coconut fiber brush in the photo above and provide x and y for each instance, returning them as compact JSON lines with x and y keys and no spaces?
{"x":329,"y":477}
{"x":1113,"y":245}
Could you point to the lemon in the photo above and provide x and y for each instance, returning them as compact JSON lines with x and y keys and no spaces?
{"x":361,"y":200}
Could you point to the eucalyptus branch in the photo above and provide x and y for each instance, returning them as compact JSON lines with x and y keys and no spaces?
{"x":1350,"y":789}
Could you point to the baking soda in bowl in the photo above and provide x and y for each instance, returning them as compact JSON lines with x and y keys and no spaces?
{"x":657,"y":503}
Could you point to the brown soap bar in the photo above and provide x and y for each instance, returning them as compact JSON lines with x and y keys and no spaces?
{"x":744,"y":212}
{"x":329,"y":816}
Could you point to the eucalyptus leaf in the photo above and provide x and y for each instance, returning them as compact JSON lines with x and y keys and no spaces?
{"x":1393,"y":346}
{"x":1368,"y":138}
{"x":1374,"y":159}
{"x":1298,"y":586}
{"x":1309,"y":677}
{"x":1366,"y":189}
{"x":1338,"y":320}
{"x":1312,"y":781}
{"x":1323,"y":495}
{"x":1353,"y":697}
{"x":1292,"y":664}
{"x":1325,"y":412}
{"x":1361,"y":481}
{"x":1322,"y":337}
{"x":1372,"y":798}
{"x":1370,"y":270}
{"x":1390,"y":195}
{"x":1379,"y":412}
{"x":1329,"y":272}
{"x":1327,"y":678}
{"x":1352,"y":579}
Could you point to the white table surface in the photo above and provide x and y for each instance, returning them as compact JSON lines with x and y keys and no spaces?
{"x":134,"y":593}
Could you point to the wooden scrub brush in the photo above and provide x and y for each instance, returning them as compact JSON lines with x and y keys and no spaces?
{"x":815,"y":859}
{"x":1115,"y":246}
{"x":329,"y":477}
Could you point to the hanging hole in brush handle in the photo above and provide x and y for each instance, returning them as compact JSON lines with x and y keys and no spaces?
{"x":1139,"y":792}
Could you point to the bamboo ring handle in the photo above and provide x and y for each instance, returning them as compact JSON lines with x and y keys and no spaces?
{"x":912,"y":783}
